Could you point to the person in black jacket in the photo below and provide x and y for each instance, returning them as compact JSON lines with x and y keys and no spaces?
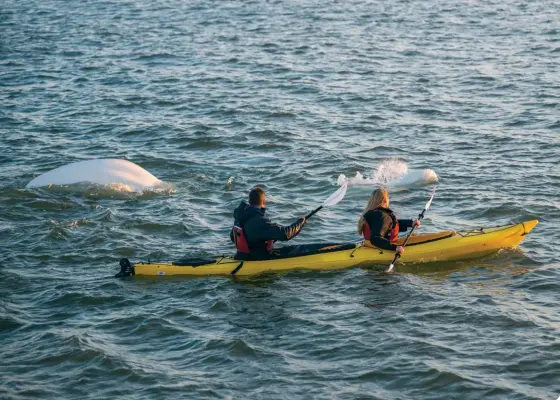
{"x":254,"y":233}
{"x":379,"y":225}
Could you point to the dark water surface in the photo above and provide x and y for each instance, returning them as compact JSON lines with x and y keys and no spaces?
{"x":289,"y":95}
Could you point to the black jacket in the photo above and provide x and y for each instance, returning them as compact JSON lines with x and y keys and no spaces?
{"x":381,"y":224}
{"x":258,"y":228}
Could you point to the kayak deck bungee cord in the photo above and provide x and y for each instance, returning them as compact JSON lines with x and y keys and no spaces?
{"x":425,"y":247}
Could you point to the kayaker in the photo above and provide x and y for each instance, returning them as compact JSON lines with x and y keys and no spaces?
{"x":253,"y":233}
{"x":379,"y":225}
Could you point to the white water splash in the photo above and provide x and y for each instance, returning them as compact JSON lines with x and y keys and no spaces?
{"x":118,"y":175}
{"x":392,"y":173}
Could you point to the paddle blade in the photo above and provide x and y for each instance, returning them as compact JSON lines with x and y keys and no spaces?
{"x":336,"y":196}
{"x":429,"y":203}
{"x":390,"y":269}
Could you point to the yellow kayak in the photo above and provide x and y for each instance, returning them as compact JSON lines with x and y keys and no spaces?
{"x":425,"y":247}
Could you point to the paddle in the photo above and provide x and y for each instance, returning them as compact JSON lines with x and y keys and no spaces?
{"x":331,"y":201}
{"x":420,"y":217}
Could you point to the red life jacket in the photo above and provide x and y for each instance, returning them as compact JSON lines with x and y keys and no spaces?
{"x":241,"y":243}
{"x":392,"y":235}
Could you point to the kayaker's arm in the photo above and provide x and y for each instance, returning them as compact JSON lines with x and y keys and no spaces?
{"x":271,"y":231}
{"x":294,"y":229}
{"x":382,"y":243}
{"x":404,"y":224}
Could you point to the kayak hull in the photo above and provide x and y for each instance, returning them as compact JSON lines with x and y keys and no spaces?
{"x":427,"y":247}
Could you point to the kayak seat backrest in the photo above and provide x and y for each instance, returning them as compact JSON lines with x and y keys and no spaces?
{"x":194,"y":262}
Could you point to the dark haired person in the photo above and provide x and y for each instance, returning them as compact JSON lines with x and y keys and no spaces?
{"x":253,"y":233}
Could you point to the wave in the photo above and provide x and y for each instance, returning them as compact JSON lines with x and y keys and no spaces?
{"x":110,"y":191}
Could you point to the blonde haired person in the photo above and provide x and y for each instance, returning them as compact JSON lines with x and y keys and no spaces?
{"x":379,"y":225}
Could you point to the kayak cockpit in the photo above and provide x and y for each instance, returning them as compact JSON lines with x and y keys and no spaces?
{"x":300,"y":250}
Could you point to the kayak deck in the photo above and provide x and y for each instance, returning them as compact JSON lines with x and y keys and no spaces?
{"x":425,"y":247}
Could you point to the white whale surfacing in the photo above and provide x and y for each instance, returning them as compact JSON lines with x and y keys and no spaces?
{"x":417,"y":178}
{"x":392,"y":173}
{"x":123,"y":174}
